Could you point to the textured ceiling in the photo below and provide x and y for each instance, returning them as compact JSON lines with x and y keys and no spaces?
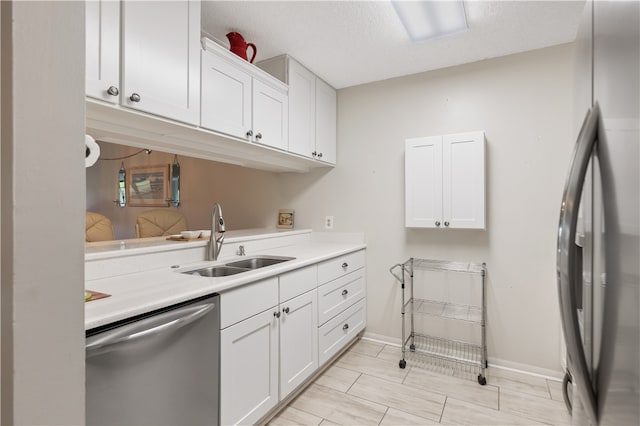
{"x":354,"y":42}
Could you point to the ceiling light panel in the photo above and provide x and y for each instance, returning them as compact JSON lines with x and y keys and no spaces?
{"x":424,"y":20}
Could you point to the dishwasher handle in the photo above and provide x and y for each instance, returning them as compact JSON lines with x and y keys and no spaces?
{"x":149,"y":327}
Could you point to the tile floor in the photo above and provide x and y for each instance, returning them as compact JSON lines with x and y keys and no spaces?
{"x":366,"y":387}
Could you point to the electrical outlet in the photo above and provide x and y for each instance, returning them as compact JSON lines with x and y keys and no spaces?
{"x":328,"y":222}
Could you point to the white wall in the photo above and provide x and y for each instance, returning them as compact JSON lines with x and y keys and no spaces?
{"x":524,"y":104}
{"x":42,"y":195}
{"x":249,"y":198}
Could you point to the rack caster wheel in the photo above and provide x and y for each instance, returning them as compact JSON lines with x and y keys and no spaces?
{"x":482,"y":380}
{"x":412,"y":347}
{"x":402,"y":363}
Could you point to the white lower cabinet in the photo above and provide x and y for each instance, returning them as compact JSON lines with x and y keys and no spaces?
{"x":271,"y":337}
{"x":249,"y":369}
{"x":338,"y":331}
{"x":298,"y":341}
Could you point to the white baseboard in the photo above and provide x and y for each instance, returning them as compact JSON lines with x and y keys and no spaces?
{"x":517,"y":367}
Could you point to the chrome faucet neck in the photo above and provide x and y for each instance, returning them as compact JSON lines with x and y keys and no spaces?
{"x":217,"y":232}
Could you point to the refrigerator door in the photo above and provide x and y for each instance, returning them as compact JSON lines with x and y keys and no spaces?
{"x":617,"y":89}
{"x":568,"y":261}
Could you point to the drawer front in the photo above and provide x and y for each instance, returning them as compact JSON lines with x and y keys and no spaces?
{"x":339,"y":331}
{"x":248,"y":300}
{"x":296,"y":282}
{"x":331,"y":269}
{"x":335,"y":296}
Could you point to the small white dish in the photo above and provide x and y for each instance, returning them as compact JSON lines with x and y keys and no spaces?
{"x":190,"y":234}
{"x":205,"y":233}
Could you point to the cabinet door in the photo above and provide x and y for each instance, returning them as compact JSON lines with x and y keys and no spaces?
{"x":325,"y":122}
{"x":298,"y":341}
{"x":463,"y":180}
{"x":103,"y":50}
{"x":249,"y":369}
{"x":161,"y":58}
{"x":225,"y":96}
{"x":423,"y":182}
{"x":270,"y":116}
{"x":302,"y":110}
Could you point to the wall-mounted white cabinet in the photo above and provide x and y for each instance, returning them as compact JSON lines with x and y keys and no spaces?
{"x":312,"y":109}
{"x":241,"y":100}
{"x":445,"y":181}
{"x":158,"y":69}
{"x":103,"y":50}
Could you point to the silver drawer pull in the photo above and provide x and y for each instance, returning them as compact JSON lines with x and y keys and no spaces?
{"x":345,"y":265}
{"x":345,"y":327}
{"x":345,"y":292}
{"x":286,"y":310}
{"x":276,"y":314}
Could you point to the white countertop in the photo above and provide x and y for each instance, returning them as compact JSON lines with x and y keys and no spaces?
{"x":141,"y":292}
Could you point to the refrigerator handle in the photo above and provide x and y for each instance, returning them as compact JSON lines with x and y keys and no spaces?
{"x":567,"y":258}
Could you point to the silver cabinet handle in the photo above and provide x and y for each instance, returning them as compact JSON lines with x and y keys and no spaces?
{"x":314,"y":153}
{"x":135,"y":97}
{"x":113,"y":91}
{"x":286,"y":310}
{"x":249,"y":133}
{"x":437,"y":223}
{"x":345,"y":265}
{"x":567,"y":257}
{"x":345,"y":327}
{"x":319,"y":155}
{"x":446,"y":223}
{"x":276,"y":314}
{"x":345,"y":292}
{"x":258,"y":136}
{"x":149,"y":327}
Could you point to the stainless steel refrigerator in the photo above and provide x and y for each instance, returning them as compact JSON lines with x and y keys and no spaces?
{"x":599,"y":231}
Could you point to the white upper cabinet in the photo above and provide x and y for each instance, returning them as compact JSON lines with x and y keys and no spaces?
{"x":241,"y":100}
{"x":325,"y":122}
{"x":445,"y":181}
{"x":226,"y":96}
{"x":161,"y":58}
{"x":302,"y":110}
{"x":103,"y":50}
{"x":270,"y":116}
{"x":312,"y":109}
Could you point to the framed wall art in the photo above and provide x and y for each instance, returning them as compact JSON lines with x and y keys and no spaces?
{"x":148,"y":186}
{"x":285,"y":219}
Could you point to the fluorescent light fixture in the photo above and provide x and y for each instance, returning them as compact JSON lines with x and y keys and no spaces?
{"x":430,"y":19}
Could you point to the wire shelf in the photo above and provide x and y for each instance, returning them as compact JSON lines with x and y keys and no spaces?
{"x":450,"y":356}
{"x":447,"y":310}
{"x":445,"y":265}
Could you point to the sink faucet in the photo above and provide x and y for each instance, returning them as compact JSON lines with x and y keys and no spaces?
{"x":215,"y":243}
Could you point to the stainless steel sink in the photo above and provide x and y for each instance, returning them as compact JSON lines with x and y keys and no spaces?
{"x":259,"y":262}
{"x":216,"y":271}
{"x":239,"y":266}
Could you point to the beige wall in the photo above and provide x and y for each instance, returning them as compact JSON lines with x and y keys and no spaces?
{"x":249,"y":198}
{"x":524,"y":104}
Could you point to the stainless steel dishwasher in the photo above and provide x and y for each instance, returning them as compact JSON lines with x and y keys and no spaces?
{"x":160,"y":368}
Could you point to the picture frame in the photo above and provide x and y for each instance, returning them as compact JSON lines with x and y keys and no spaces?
{"x":285,"y":219}
{"x":148,"y":186}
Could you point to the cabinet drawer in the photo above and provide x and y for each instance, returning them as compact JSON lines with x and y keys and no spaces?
{"x":338,"y":294}
{"x":248,"y":300}
{"x":337,"y":332}
{"x":334,"y":268}
{"x":297,"y":282}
